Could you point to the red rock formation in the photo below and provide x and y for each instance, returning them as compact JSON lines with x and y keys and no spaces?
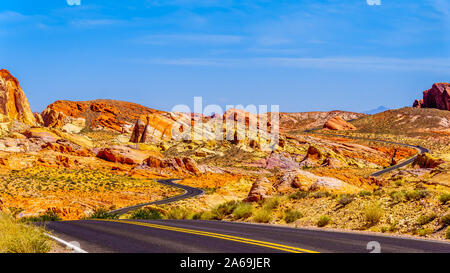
{"x":184,"y":165}
{"x":13,"y":102}
{"x":338,"y":123}
{"x":108,"y":114}
{"x":261,"y":189}
{"x":438,"y":96}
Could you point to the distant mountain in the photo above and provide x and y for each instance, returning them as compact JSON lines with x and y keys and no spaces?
{"x":377,"y":110}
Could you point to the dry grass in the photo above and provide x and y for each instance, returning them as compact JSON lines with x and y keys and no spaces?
{"x":16,"y":237}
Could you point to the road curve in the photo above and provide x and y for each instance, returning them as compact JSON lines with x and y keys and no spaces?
{"x":191,"y":236}
{"x":189,"y":192}
{"x":389,"y":169}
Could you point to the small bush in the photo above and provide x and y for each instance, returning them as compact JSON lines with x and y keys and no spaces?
{"x":292,"y":215}
{"x":373,"y":214}
{"x":101,"y":213}
{"x":424,"y":231}
{"x":447,"y":233}
{"x":146,"y":214}
{"x":345,"y":199}
{"x":425,"y":219}
{"x":397,"y":196}
{"x":225,"y":209}
{"x":263,"y":215}
{"x":207,"y":215}
{"x":323,"y":221}
{"x":364,"y":193}
{"x":177,"y":213}
{"x":416,"y":194}
{"x":272,"y":203}
{"x":445,"y":220}
{"x":48,"y":216}
{"x":321,"y":194}
{"x":299,"y":195}
{"x":242,"y":211}
{"x":444,"y":198}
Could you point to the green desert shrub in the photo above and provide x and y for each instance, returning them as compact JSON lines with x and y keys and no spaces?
{"x":243,"y":211}
{"x":48,"y":216}
{"x":102,"y":213}
{"x":272,"y":203}
{"x":323,"y":221}
{"x":177,"y":213}
{"x":447,"y":233}
{"x":321,"y":194}
{"x":18,"y":237}
{"x":292,"y":215}
{"x":263,"y":215}
{"x":426,"y":218}
{"x":445,"y":220}
{"x":345,"y":199}
{"x":397,"y":196}
{"x":298,"y":195}
{"x":364,"y":193}
{"x":223,"y":210}
{"x":444,"y":198}
{"x":424,"y":231}
{"x":147,"y":214}
{"x":373,"y":214}
{"x":416,"y":194}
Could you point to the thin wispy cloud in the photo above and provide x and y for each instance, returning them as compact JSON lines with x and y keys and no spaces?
{"x":94,"y":22}
{"x":361,"y":63}
{"x":175,"y":39}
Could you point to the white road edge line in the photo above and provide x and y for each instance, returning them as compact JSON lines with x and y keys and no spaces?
{"x":67,"y":244}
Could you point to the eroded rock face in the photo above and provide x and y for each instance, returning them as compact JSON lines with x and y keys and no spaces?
{"x":338,"y":123}
{"x":183,"y":165}
{"x":427,"y":161}
{"x":438,"y":96}
{"x":124,"y":155}
{"x":260,"y":190}
{"x":13,"y":102}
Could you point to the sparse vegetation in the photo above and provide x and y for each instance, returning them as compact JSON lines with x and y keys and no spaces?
{"x":263,"y":215}
{"x":373,"y":214}
{"x":298,"y":195}
{"x":425,"y":219}
{"x":292,"y":215}
{"x":345,"y":199}
{"x":17,"y":237}
{"x":444,"y":198}
{"x":416,"y":194}
{"x":364,"y":193}
{"x":243,"y":211}
{"x":447,"y":233}
{"x":102,"y":213}
{"x":146,"y":213}
{"x":445,"y":220}
{"x":48,"y":216}
{"x":321,"y":194}
{"x":178,"y":213}
{"x":323,"y":221}
{"x":272,"y":203}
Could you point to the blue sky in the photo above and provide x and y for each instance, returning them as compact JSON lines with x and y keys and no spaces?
{"x":301,"y":55}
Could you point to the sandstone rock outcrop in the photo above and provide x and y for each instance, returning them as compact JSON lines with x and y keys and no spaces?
{"x":338,"y":123}
{"x":97,"y":114}
{"x":13,"y":102}
{"x":260,"y":190}
{"x":426,"y":161}
{"x":438,"y":96}
{"x":124,"y":155}
{"x":183,"y":165}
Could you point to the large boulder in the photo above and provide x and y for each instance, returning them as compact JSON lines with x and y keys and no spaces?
{"x":182,"y":165}
{"x":124,"y":155}
{"x":438,"y":96}
{"x":13,"y":102}
{"x":260,"y":190}
{"x":338,"y":123}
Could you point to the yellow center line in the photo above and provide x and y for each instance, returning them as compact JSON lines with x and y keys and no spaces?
{"x":218,"y":235}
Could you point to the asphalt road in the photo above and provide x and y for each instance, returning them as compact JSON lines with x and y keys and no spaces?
{"x":189,"y":236}
{"x":189,"y":192}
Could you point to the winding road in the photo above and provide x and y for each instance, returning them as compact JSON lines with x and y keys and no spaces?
{"x":195,"y":236}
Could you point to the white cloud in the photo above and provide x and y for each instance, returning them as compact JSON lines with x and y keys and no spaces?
{"x":359,"y":63}
{"x":189,"y":38}
{"x":94,"y":22}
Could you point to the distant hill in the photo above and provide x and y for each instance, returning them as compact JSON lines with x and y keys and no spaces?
{"x":377,"y":110}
